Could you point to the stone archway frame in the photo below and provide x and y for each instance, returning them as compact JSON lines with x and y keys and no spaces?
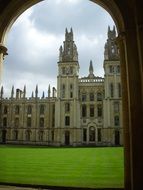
{"x":17,"y":7}
{"x":89,"y":125}
{"x":128,"y":17}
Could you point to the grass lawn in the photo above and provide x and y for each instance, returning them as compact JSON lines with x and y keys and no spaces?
{"x":76,"y":167}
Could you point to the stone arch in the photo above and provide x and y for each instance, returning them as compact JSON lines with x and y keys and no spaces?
{"x":91,"y":133}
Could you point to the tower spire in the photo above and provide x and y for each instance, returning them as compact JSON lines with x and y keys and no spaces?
{"x":32,"y":95}
{"x":43,"y":95}
{"x":36,"y":92}
{"x":1,"y":93}
{"x":91,"y":74}
{"x":24,"y":92}
{"x":49,"y":91}
{"x":12,"y":92}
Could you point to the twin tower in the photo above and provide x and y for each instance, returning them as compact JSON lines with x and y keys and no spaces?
{"x":85,"y":111}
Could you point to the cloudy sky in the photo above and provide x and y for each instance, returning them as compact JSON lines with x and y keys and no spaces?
{"x":34,"y":40}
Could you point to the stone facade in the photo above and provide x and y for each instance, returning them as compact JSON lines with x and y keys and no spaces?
{"x":82,"y":111}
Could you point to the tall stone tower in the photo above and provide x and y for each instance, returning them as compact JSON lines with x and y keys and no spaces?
{"x":67,"y":104}
{"x":112,"y":86}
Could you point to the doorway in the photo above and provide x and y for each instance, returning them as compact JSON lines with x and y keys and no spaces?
{"x":117,"y":138}
{"x":3,"y":136}
{"x":67,"y":138}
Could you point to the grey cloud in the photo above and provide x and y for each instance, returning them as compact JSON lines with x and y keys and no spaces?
{"x":84,"y":15}
{"x":28,"y":63}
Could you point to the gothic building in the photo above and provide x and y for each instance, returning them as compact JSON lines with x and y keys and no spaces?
{"x":82,"y":111}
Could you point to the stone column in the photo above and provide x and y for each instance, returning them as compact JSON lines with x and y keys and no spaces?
{"x":140,"y":47}
{"x":3,"y":52}
{"x":135,"y":102}
{"x":125,"y":111}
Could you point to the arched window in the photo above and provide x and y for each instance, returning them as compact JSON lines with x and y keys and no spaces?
{"x":91,"y":110}
{"x":116,"y":121}
{"x":41,"y":122}
{"x":111,"y":69}
{"x":5,"y":110}
{"x":99,"y":111}
{"x":17,"y":109}
{"x":83,"y":97}
{"x":84,"y":134}
{"x":111,"y":90}
{"x":15,"y":135}
{"x":71,"y":90}
{"x":116,"y":107}
{"x":29,"y":122}
{"x":91,"y":96}
{"x":63,"y":91}
{"x":4,"y":122}
{"x":28,"y":135}
{"x":99,"y":96}
{"x":118,"y":68}
{"x":91,"y":134}
{"x":52,"y":135}
{"x":67,"y":107}
{"x":71,"y":86}
{"x":84,"y":111}
{"x":67,"y":120}
{"x":41,"y":135}
{"x":42,"y":109}
{"x":16,"y":122}
{"x":53,"y":115}
{"x":29,"y":109}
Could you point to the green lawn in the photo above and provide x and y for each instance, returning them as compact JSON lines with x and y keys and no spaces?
{"x":79,"y":167}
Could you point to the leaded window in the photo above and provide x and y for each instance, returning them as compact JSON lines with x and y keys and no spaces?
{"x":67,"y":120}
{"x":42,"y":109}
{"x":84,"y":111}
{"x":91,"y":110}
{"x":41,"y":122}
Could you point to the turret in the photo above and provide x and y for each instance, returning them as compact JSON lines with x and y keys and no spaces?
{"x":18,"y":93}
{"x":69,"y":51}
{"x":54,"y":92}
{"x":111,"y":50}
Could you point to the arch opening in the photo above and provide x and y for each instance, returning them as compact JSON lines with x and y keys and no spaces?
{"x":92,"y":134}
